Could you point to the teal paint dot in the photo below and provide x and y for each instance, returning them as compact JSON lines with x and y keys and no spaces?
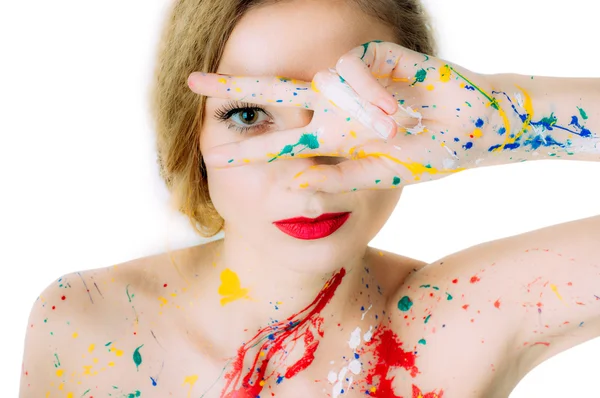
{"x":433,"y":137}
{"x":347,"y":119}
{"x":396,"y":181}
{"x":427,"y":319}
{"x":582,"y":113}
{"x":137,"y":393}
{"x":309,"y":140}
{"x":377,"y":181}
{"x":449,"y":296}
{"x":401,"y":102}
{"x":422,"y":341}
{"x":353,"y":189}
{"x":137,"y":357}
{"x":420,"y":76}
{"x":404,"y":303}
{"x":466,"y":102}
{"x":230,"y":160}
{"x":286,"y":149}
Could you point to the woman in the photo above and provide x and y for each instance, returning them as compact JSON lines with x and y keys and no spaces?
{"x":298,"y":310}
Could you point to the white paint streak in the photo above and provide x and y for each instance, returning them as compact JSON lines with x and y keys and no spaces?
{"x":354,"y":339}
{"x":362,"y":318}
{"x":368,"y":335}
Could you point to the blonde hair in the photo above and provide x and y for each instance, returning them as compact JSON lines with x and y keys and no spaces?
{"x":193,"y":39}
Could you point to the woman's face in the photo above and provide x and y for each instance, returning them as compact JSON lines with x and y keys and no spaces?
{"x":295,"y":39}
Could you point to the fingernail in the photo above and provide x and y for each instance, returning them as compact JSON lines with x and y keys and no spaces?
{"x":383,"y":128}
{"x":388,"y":105}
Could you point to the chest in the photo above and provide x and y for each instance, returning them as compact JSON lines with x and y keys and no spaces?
{"x":353,"y":361}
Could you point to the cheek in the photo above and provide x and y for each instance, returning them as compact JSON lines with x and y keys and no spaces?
{"x":236,"y":191}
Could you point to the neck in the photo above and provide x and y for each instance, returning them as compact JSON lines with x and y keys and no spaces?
{"x":251,"y":292}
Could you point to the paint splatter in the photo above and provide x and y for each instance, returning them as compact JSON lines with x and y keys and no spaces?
{"x":231,"y":287}
{"x":275,"y":341}
{"x":137,"y":357}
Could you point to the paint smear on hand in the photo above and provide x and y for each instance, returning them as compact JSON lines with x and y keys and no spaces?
{"x":231,"y":288}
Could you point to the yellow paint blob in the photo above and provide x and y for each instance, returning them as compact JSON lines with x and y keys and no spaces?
{"x":163,"y":301}
{"x":445,"y":74}
{"x":430,"y":87}
{"x":231,"y":288}
{"x":222,"y":80}
{"x":477,"y":133}
{"x":353,"y":133}
{"x":75,"y":335}
{"x":91,"y":347}
{"x":237,"y":89}
{"x":314,"y":87}
{"x":60,"y":372}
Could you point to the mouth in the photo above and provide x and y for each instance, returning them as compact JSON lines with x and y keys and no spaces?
{"x":312,"y":228}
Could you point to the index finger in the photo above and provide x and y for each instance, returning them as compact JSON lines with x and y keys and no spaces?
{"x":265,"y":90}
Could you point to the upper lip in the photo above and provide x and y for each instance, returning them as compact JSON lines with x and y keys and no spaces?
{"x":325,"y":216}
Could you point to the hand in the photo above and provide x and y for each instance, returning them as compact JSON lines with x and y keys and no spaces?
{"x":453,"y":118}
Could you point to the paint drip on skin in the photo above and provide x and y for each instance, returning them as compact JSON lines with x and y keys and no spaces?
{"x":275,"y":342}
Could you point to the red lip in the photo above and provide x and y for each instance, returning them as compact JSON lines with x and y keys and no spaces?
{"x":313,"y":228}
{"x":325,"y":216}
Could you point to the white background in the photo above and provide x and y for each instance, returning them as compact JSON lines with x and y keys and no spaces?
{"x":80,"y":185}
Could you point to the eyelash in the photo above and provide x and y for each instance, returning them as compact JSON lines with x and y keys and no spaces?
{"x":232,"y":108}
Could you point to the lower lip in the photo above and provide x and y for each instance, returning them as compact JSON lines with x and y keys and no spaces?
{"x":313,"y":230}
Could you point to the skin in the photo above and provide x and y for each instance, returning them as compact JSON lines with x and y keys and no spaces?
{"x":253,"y":247}
{"x":262,"y":313}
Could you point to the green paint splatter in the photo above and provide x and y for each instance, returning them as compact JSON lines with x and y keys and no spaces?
{"x":86,"y":391}
{"x":366,"y":45}
{"x":401,"y":102}
{"x":137,"y":357}
{"x":404,"y":303}
{"x":420,"y":76}
{"x":347,"y":119}
{"x":342,"y":79}
{"x":56,"y":365}
{"x":377,"y":181}
{"x":307,"y":140}
{"x":433,"y":137}
{"x":127,"y":290}
{"x":449,"y":296}
{"x":466,"y":102}
{"x":422,"y":341}
{"x":494,"y":101}
{"x":427,"y":319}
{"x":582,"y":113}
{"x":137,"y":393}
{"x":396,"y":180}
{"x":230,"y":160}
{"x":549,"y":120}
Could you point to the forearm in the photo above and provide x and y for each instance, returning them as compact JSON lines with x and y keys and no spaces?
{"x":544,"y":118}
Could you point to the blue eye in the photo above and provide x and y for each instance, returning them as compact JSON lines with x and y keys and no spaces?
{"x":247,"y":115}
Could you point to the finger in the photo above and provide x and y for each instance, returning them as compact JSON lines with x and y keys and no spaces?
{"x":344,"y":97}
{"x":286,"y":144}
{"x":348,"y":176}
{"x":363,"y":67}
{"x":265,"y":90}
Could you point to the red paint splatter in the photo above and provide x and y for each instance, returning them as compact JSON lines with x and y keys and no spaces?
{"x":417,"y":393}
{"x":389,"y":356}
{"x":277,"y":337}
{"x":475,"y":279}
{"x":497,"y":304}
{"x":53,"y":307}
{"x":165,"y":285}
{"x":465,"y":306}
{"x":454,"y":280}
{"x":63,"y":298}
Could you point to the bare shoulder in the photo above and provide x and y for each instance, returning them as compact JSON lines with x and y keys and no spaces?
{"x":86,"y":328}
